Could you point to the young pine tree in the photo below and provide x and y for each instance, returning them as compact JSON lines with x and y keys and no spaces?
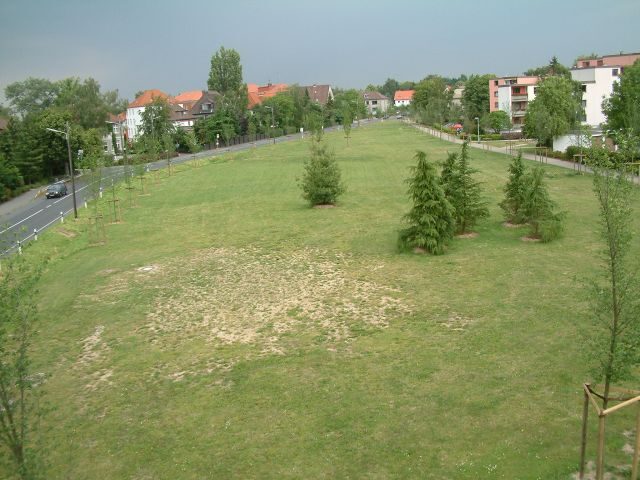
{"x":321,"y":182}
{"x":514,"y":191}
{"x":466,"y":195}
{"x":615,"y":346}
{"x":539,"y":210}
{"x":431,"y":219}
{"x":449,"y":170}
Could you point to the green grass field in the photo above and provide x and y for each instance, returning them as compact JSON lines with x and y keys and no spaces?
{"x":227,"y":330}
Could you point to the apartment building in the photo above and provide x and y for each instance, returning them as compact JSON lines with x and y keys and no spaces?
{"x":135,"y":109}
{"x":512,"y":95}
{"x":597,"y":77}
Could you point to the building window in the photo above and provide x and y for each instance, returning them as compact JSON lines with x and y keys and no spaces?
{"x":495,"y":105}
{"x":535,"y":90}
{"x":495,"y":94}
{"x":495,"y":82}
{"x":584,"y":104}
{"x":600,"y":63}
{"x":586,"y":64}
{"x":614,"y":72}
{"x":584,"y":87}
{"x":374,"y":102}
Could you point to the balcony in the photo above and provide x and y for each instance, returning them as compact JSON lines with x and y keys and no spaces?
{"x":519,"y":97}
{"x":519,"y":113}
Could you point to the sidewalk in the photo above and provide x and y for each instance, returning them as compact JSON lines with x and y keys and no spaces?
{"x":505,"y":151}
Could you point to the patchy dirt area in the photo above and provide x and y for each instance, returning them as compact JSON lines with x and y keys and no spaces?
{"x":244,"y":296}
{"x":530,"y":239}
{"x":467,"y":235}
{"x":265,"y":302}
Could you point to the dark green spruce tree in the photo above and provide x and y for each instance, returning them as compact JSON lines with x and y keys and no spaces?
{"x":321,"y":182}
{"x":466,"y":194}
{"x":448,"y":172}
{"x":514,"y":191}
{"x":431,"y":219}
{"x":539,"y":211}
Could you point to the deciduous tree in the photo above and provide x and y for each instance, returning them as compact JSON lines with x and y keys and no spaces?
{"x":622,"y":108}
{"x":555,"y":110}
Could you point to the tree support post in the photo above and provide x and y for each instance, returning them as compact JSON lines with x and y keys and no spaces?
{"x":600,"y":458}
{"x":636,"y":452}
{"x":583,"y":443}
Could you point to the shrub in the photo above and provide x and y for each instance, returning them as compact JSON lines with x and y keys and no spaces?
{"x":431,"y":219}
{"x":321,"y":182}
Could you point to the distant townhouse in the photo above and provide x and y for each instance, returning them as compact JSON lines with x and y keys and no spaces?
{"x":403,"y":97}
{"x":257,"y":94}
{"x":189,"y":107}
{"x":375,"y":102}
{"x":135,"y":109}
{"x":319,"y":94}
{"x":115,"y":140}
{"x":458,"y":92}
{"x":512,"y":95}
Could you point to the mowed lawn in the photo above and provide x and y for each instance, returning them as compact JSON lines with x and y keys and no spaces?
{"x":227,"y":330}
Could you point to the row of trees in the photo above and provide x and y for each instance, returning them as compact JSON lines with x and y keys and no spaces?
{"x":452,"y":203}
{"x":30,"y":153}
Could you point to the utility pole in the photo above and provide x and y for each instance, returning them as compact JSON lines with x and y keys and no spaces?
{"x":73,"y":177}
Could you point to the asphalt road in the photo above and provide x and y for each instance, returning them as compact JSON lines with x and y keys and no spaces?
{"x":28,"y":214}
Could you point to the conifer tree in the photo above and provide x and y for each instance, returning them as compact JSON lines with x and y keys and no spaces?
{"x":449,"y":169}
{"x":321,"y":182}
{"x":431,"y":219}
{"x":539,"y":210}
{"x":466,"y":195}
{"x":514,"y":191}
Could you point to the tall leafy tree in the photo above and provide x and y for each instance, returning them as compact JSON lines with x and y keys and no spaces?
{"x":432,"y":99}
{"x":466,"y":194}
{"x":225,"y":75}
{"x":498,"y":121}
{"x":622,"y":108}
{"x":85,"y":102}
{"x":475,"y":98}
{"x":32,"y":95}
{"x":553,"y":68}
{"x":430,"y":222}
{"x":556,"y":109}
{"x":389,"y":88}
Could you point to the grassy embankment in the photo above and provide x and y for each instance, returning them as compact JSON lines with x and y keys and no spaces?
{"x":226,"y":330}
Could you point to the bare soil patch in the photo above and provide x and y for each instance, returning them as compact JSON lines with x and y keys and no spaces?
{"x":419,"y":250}
{"x":66,"y":233}
{"x":513,"y":225}
{"x":325,"y":205}
{"x":467,"y":235}
{"x":527,"y":238}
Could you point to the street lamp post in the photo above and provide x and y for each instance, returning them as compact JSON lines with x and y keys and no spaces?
{"x":478,"y":122}
{"x":73,"y":177}
{"x":272,"y":122}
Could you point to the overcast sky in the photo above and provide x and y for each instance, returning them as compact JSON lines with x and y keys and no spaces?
{"x":141,"y":44}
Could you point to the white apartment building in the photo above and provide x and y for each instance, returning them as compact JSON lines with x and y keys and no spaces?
{"x":597,"y":85}
{"x":135,"y":109}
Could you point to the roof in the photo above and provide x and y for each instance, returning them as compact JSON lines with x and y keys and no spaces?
{"x":119,"y":118}
{"x":190,"y":96}
{"x":257,"y":94}
{"x":147,"y":97}
{"x":319,"y":93}
{"x":374,"y":96}
{"x":194,"y":110}
{"x":403,"y":95}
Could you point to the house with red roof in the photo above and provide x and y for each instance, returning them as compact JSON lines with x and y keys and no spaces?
{"x":319,"y":94}
{"x":135,"y":109}
{"x":257,"y":94}
{"x":185,"y":111}
{"x":403,"y":97}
